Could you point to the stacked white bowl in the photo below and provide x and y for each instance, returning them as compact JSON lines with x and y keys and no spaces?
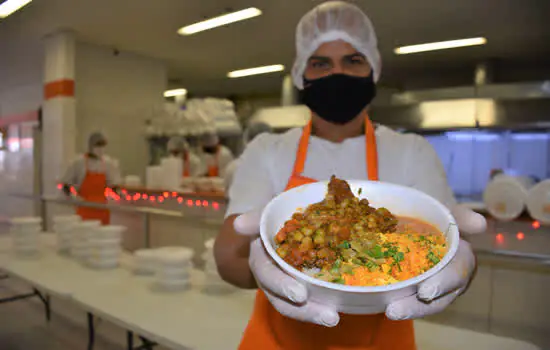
{"x":212,"y":282}
{"x":145,"y":261}
{"x":25,"y":233}
{"x":64,"y":226}
{"x":173,"y":268}
{"x":105,"y":247}
{"x":80,"y":246}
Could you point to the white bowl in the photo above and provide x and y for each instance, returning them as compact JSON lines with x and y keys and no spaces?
{"x":400,"y":200}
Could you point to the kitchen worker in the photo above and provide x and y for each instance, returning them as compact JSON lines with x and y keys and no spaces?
{"x":90,"y":174}
{"x":215,"y":155}
{"x":192,"y":164}
{"x":253,"y":130}
{"x":336,"y":69}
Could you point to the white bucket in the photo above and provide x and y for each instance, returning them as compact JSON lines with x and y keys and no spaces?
{"x":538,"y":202}
{"x":505,"y":196}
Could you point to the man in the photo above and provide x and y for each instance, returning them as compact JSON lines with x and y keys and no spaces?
{"x":192,"y":164}
{"x":215,"y":155}
{"x":91,"y":173}
{"x":336,"y":69}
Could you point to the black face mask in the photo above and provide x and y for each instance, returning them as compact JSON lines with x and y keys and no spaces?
{"x":338,"y":98}
{"x":210,"y":150}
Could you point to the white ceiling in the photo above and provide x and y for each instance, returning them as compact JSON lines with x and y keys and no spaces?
{"x":517,"y":32}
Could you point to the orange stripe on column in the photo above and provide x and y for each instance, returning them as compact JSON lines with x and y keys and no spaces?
{"x":59,"y":88}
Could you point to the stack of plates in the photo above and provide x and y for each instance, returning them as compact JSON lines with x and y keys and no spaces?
{"x":145,"y":261}
{"x":105,"y":247}
{"x":64,"y":226}
{"x":80,"y":245}
{"x":213,"y":282}
{"x":173,"y":268}
{"x":25,"y":232}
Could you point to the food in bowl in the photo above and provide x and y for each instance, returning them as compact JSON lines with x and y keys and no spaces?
{"x":344,"y":240}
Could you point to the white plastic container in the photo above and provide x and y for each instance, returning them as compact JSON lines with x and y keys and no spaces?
{"x":80,"y":245}
{"x":505,"y":196}
{"x":400,"y":200}
{"x":538,"y":202}
{"x":145,"y":261}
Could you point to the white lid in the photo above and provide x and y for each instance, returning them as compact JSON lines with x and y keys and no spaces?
{"x":146,"y":253}
{"x":90,"y":224}
{"x":26,"y":220}
{"x":181,"y":256}
{"x":209,"y":244}
{"x":538,"y":202}
{"x":66,"y":218}
{"x":116,"y":229}
{"x":505,"y":197}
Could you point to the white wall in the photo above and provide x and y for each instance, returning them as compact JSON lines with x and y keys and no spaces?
{"x":115,"y":94}
{"x":21,"y":66}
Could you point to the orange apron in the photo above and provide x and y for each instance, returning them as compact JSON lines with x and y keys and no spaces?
{"x":186,"y":165}
{"x":92,"y":189}
{"x":214,"y":169}
{"x":269,"y":330}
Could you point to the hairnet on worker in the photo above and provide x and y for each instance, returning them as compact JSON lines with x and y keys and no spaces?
{"x":177,"y":144}
{"x":210,"y":140}
{"x":331,"y":21}
{"x":96,"y":139}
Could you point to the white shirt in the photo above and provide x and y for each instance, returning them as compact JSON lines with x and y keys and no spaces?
{"x":196,"y":166}
{"x":75,"y":173}
{"x":224,"y":158}
{"x":265,"y":166}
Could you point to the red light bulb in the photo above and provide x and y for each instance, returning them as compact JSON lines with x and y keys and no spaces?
{"x":535,"y":225}
{"x":520,"y":236}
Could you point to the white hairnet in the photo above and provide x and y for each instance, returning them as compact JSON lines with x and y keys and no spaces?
{"x":95,"y":139}
{"x":210,"y":140}
{"x":331,"y":21}
{"x":177,"y":144}
{"x":254,"y":130}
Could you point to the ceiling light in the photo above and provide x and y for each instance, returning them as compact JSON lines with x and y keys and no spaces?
{"x":255,"y":71}
{"x":175,"y":92}
{"x":440,"y":45}
{"x":220,"y":21}
{"x":10,"y":6}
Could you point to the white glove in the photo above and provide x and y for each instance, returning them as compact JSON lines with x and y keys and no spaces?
{"x":290,"y":298}
{"x":439,"y":291}
{"x":287,"y":295}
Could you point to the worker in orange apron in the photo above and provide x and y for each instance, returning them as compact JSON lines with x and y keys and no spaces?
{"x":336,"y":70}
{"x":216,"y":156}
{"x":89,"y":176}
{"x":192,"y":165}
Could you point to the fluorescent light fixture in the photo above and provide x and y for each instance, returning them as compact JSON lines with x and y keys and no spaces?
{"x":220,"y":21}
{"x":10,"y":6}
{"x":175,"y":92}
{"x":440,"y":45}
{"x":255,"y":71}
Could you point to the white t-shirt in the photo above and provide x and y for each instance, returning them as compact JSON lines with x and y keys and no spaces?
{"x":265,"y":166}
{"x":224,"y":158}
{"x":75,"y":173}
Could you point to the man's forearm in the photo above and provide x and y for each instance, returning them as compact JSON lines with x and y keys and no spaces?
{"x":231,"y":252}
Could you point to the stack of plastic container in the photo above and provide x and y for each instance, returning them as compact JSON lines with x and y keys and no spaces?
{"x":64,"y":226}
{"x":173,"y":268}
{"x":105,"y":247}
{"x":25,"y":233}
{"x":145,"y":261}
{"x":80,"y":246}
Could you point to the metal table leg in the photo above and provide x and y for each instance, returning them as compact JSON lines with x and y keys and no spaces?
{"x":45,"y":298}
{"x":130,"y":340}
{"x":91,"y":331}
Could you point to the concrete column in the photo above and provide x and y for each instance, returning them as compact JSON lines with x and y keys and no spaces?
{"x":59,"y":109}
